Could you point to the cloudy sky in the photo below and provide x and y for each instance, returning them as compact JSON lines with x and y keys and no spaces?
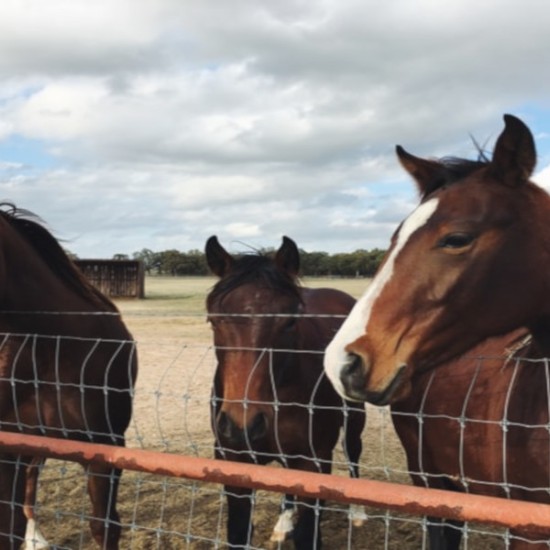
{"x":131,"y":124}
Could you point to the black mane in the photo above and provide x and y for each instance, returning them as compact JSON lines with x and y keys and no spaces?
{"x":31,"y":228}
{"x":454,"y":169}
{"x":254,"y":268}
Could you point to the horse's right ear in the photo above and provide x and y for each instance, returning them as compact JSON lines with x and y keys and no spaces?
{"x":218,"y":259}
{"x":428,"y":174}
{"x":287,"y":257}
{"x":515,"y":156}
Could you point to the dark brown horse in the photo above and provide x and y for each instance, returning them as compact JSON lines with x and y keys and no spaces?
{"x":271,"y":400}
{"x":470,"y":263}
{"x":67,"y":369}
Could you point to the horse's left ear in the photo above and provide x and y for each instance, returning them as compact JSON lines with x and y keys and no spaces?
{"x":218,"y":259}
{"x":428,"y":174}
{"x":287,"y":257}
{"x":515,"y":156}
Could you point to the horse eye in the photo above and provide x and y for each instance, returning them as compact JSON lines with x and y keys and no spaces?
{"x":456,"y":240}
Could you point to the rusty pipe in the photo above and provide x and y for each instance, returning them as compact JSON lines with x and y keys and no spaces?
{"x":419,"y":501}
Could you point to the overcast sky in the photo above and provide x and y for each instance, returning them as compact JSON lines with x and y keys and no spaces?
{"x":157,"y":123}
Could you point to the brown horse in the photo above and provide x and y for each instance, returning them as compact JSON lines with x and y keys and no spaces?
{"x":67,"y":369}
{"x":465,"y":426}
{"x":470,"y":263}
{"x":271,"y":400}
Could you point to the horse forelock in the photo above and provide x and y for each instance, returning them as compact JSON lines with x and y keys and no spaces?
{"x":254,"y":268}
{"x":31,"y":228}
{"x":453,"y":170}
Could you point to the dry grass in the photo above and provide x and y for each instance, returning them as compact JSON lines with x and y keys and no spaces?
{"x":186,"y":295}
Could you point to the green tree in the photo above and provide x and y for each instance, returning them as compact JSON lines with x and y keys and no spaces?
{"x":193,"y":263}
{"x":148,"y":257}
{"x":169,"y":262}
{"x":314,"y":264}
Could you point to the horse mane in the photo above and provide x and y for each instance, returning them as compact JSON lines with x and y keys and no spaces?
{"x":454,"y":169}
{"x":31,"y":228}
{"x":258,"y":267}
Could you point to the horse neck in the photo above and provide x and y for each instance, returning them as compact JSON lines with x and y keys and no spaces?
{"x":29,"y":285}
{"x":536,"y":284}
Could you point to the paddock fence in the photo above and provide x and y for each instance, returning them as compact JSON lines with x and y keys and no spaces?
{"x":409,"y":499}
{"x":172,"y":497}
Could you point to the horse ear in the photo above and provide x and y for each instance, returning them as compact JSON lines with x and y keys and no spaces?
{"x":426,"y":173}
{"x":287,"y":257}
{"x":515,"y":155}
{"x":218,"y":259}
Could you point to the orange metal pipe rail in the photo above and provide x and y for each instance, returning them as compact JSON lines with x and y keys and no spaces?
{"x":526,"y":516}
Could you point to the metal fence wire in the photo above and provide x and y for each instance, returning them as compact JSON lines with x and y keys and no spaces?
{"x":173,"y":400}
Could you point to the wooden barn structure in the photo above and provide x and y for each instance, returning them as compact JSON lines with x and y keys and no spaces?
{"x":115,"y":278}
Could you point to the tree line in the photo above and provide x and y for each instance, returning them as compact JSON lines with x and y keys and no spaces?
{"x":361,"y":263}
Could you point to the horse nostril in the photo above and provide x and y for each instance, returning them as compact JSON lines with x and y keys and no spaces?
{"x":234,"y":435}
{"x":258,"y":427}
{"x":224,"y":425}
{"x":353,"y":375}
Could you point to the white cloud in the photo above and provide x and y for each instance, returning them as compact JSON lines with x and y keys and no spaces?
{"x":61,"y":37}
{"x":59,"y":111}
{"x":173,"y":120}
{"x":242,"y":230}
{"x":543,"y":178}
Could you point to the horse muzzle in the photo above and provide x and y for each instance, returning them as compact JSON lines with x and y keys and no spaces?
{"x":245,"y":437}
{"x":355,"y":378}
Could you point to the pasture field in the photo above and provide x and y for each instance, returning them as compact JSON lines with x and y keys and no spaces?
{"x":171,"y":414}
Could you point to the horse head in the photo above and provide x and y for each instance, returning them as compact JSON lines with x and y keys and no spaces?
{"x":469,"y":263}
{"x":253,"y":310}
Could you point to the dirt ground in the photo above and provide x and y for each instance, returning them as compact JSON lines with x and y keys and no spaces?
{"x":172,"y":414}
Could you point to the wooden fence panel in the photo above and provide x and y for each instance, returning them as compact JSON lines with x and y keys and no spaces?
{"x":115,"y":278}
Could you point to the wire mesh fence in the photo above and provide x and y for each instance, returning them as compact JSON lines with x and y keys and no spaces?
{"x":172,"y":413}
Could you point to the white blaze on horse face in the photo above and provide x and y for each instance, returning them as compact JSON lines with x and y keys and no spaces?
{"x":355,"y":324}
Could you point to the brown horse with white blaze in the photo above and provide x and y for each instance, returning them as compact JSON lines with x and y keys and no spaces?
{"x":467,"y":268}
{"x":67,"y":369}
{"x":271,"y":399}
{"x":469,"y":263}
